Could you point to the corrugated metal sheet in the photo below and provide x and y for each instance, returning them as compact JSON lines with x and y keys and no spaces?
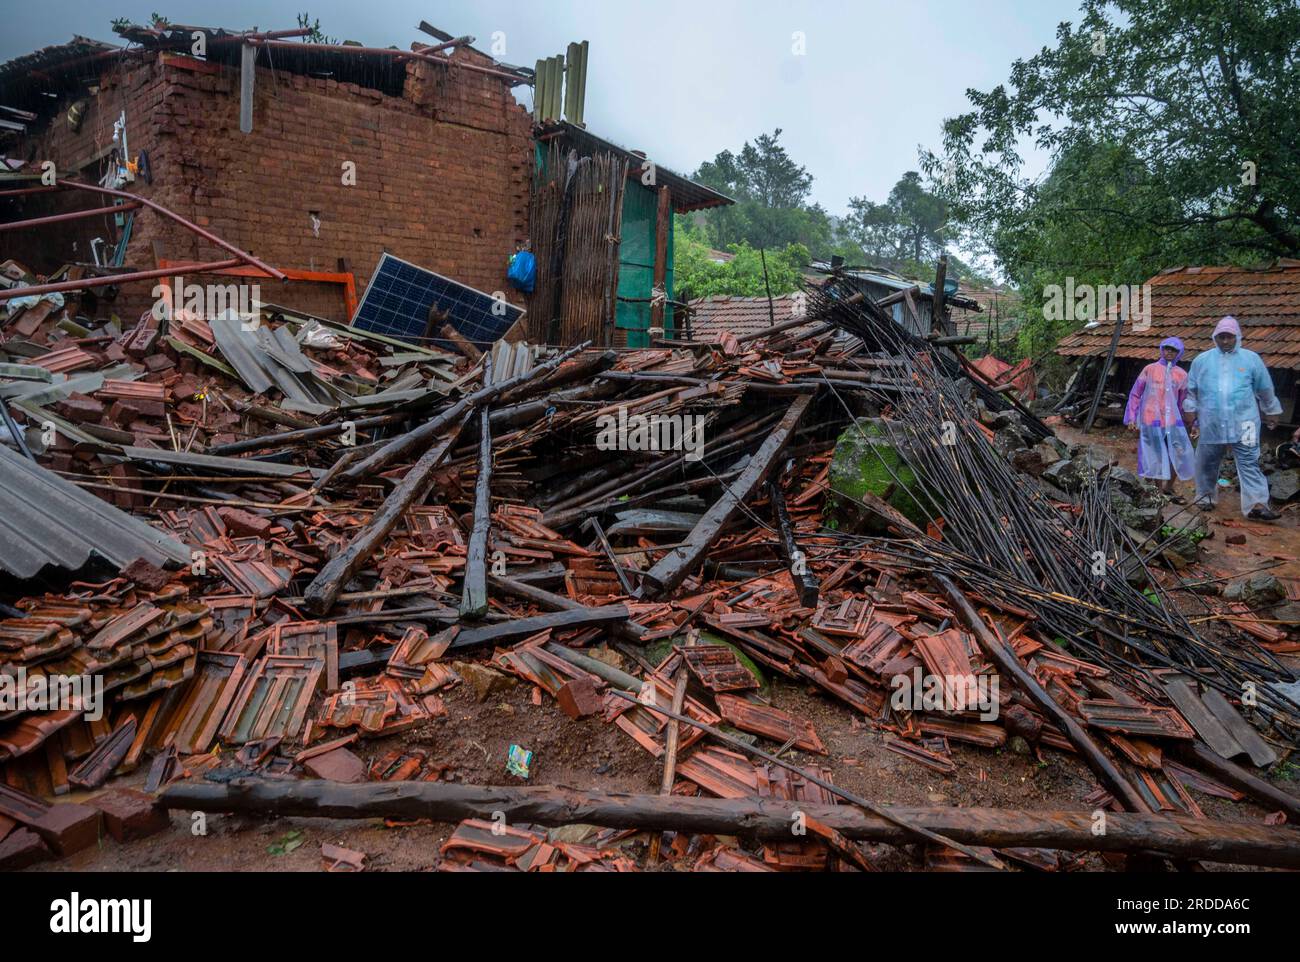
{"x":47,"y":521}
{"x":1187,"y":302}
{"x":686,"y":194}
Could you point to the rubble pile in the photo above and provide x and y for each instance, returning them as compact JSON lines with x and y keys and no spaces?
{"x":341,"y":529}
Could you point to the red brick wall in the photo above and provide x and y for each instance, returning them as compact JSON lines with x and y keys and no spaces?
{"x":441,"y":172}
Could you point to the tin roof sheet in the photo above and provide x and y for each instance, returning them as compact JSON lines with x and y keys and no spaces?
{"x":48,"y":521}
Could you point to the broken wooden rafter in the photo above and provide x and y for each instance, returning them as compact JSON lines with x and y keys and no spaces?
{"x":325,"y":587}
{"x":474,"y":598}
{"x":804,"y":580}
{"x":629,"y":630}
{"x":412,"y":439}
{"x":918,"y":832}
{"x":673,"y":567}
{"x":1006,"y":661}
{"x":518,"y":628}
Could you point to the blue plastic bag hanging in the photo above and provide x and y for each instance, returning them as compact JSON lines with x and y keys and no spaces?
{"x":523,"y":271}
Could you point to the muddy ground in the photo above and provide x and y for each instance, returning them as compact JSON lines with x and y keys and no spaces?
{"x":589,"y":754}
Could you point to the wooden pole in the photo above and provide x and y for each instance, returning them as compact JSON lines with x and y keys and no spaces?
{"x":938,"y":313}
{"x":1007,"y":662}
{"x":1105,"y":373}
{"x":673,"y":567}
{"x":1243,"y":843}
{"x":883,"y":811}
{"x":663,"y":223}
{"x":430,"y":429}
{"x":804,"y":580}
{"x":474,"y":598}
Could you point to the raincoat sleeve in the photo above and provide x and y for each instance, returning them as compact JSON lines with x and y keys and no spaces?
{"x":1135,"y":398}
{"x":1189,"y":393}
{"x":1264,"y":393}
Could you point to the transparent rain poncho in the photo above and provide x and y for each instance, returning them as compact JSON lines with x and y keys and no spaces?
{"x":1155,"y":406}
{"x":1228,"y":390}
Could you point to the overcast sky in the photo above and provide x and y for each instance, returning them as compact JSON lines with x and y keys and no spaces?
{"x":684,"y":79}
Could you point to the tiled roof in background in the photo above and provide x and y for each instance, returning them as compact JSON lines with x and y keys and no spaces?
{"x":1187,"y":302}
{"x":711,"y":317}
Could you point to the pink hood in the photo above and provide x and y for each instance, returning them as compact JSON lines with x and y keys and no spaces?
{"x":1228,"y":325}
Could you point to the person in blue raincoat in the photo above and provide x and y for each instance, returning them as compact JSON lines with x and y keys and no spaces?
{"x":1155,"y":413}
{"x":1228,"y":388}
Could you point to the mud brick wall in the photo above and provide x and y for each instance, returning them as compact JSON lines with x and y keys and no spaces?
{"x":442,"y":173}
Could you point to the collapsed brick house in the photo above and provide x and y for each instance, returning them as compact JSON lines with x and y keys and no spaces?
{"x":344,"y":153}
{"x":441,"y":159}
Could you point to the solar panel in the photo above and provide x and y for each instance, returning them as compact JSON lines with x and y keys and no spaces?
{"x":399,"y":296}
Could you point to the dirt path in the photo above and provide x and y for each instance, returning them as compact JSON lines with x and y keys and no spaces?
{"x":1265,"y":543}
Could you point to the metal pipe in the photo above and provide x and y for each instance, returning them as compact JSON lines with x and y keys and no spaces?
{"x":158,"y":208}
{"x":45,"y":189}
{"x":73,"y":215}
{"x":108,"y":279}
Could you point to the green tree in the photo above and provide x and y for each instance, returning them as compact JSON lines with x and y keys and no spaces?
{"x":910,"y":226}
{"x":1173,"y":124}
{"x":771,"y":193}
{"x":698,"y":275}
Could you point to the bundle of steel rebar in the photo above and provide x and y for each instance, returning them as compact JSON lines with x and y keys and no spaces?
{"x":1004,"y":537}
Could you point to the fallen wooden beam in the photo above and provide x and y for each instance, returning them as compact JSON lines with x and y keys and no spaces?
{"x":919,"y":833}
{"x":1006,"y":661}
{"x":1196,"y":755}
{"x":804,"y":580}
{"x":673,"y":567}
{"x":423,"y":434}
{"x":460,"y":342}
{"x":549,"y":599}
{"x":474,"y":598}
{"x":1241,"y":843}
{"x":523,"y":627}
{"x":303,"y":436}
{"x":325,"y":587}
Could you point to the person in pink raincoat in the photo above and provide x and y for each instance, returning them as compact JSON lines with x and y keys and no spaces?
{"x":1155,"y":413}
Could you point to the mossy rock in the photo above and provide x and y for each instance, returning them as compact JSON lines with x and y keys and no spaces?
{"x":866,"y":462}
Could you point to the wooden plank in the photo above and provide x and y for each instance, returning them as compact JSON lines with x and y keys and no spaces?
{"x":524,"y":627}
{"x":474,"y":596}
